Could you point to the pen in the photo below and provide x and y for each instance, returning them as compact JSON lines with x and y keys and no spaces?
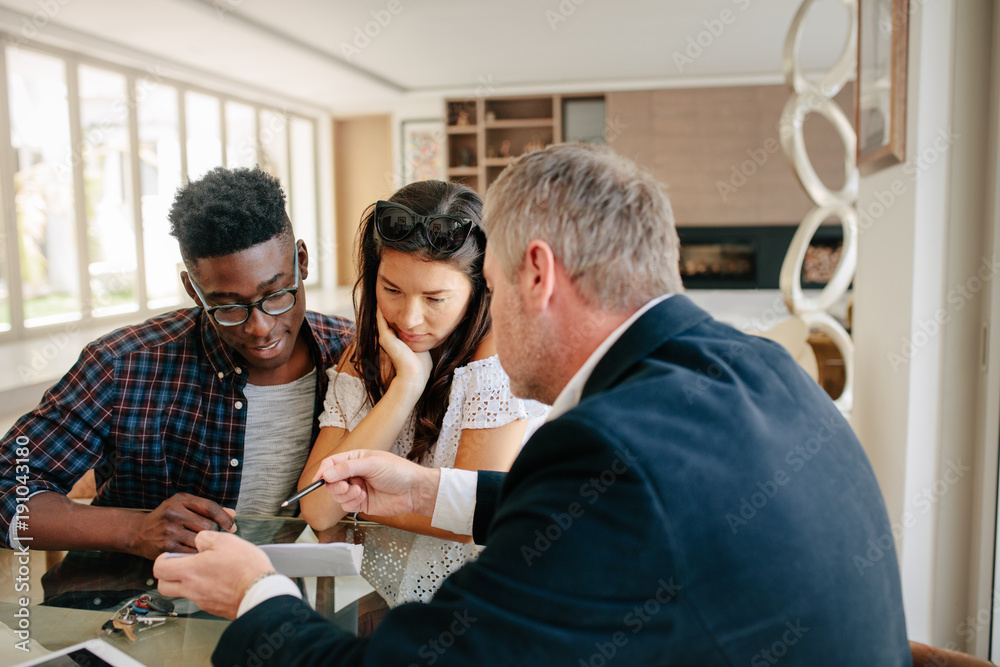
{"x":309,"y":489}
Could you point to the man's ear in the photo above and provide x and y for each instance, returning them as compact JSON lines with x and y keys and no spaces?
{"x":537,"y":278}
{"x":302,"y":257}
{"x":186,"y":281}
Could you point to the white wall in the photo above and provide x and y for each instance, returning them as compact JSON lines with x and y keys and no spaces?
{"x":966,"y":278}
{"x":917,"y":334}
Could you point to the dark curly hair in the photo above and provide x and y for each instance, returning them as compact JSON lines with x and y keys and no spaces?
{"x":425,"y":198}
{"x":226,"y":211}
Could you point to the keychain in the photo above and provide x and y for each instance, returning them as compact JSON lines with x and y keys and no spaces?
{"x":139,"y":613}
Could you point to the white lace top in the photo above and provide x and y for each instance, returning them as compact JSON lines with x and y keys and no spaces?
{"x":404,"y":566}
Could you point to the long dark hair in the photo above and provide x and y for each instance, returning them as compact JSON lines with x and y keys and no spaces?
{"x":425,"y":198}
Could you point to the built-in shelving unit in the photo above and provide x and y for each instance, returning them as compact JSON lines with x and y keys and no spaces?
{"x":485,"y":134}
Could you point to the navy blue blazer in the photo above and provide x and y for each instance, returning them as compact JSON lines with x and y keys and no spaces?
{"x":704,"y":504}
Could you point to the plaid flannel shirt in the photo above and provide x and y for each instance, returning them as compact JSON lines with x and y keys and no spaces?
{"x":155,"y":409}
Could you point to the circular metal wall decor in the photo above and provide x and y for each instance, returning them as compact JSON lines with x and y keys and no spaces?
{"x":790,"y":279}
{"x":793,"y":117}
{"x":838,"y":75}
{"x":815,"y":96}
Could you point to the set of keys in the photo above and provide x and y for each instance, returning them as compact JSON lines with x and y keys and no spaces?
{"x":139,"y":613}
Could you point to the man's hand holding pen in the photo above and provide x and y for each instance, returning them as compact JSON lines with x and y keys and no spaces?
{"x":378,"y":483}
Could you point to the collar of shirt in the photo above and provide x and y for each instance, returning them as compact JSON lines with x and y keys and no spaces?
{"x":219,"y":354}
{"x":569,"y":397}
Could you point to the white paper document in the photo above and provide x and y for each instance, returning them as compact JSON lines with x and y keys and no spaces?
{"x":304,"y":559}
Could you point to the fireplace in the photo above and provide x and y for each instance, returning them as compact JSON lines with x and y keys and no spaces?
{"x":751,"y":257}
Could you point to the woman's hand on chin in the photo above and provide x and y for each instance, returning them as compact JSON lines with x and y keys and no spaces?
{"x":412,"y":368}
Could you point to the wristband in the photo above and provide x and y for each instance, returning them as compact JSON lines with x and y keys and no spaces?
{"x":260,"y":578}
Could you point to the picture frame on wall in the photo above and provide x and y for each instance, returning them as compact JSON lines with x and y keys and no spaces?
{"x":423,"y":146}
{"x":880,"y":100}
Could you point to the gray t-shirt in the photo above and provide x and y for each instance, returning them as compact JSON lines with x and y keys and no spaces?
{"x":278,"y":438}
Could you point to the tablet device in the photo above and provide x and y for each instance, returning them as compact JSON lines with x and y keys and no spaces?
{"x":93,"y":652}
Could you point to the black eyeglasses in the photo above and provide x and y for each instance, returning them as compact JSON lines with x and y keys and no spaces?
{"x":445,"y":233}
{"x":234,"y":314}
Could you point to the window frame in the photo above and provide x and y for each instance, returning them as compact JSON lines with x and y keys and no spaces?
{"x":72,"y":62}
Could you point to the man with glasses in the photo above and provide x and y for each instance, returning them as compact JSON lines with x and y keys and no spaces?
{"x":193,"y":414}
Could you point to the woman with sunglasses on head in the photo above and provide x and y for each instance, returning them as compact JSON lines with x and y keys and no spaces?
{"x":421,"y":378}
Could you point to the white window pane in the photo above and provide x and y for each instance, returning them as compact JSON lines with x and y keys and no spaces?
{"x":43,"y":181}
{"x":241,"y":135}
{"x":303,"y":193}
{"x":5,"y":317}
{"x":204,"y":142}
{"x":159,"y":176}
{"x":107,"y":179}
{"x":274,"y":146}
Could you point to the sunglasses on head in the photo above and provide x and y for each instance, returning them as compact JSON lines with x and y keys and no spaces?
{"x":445,"y":233}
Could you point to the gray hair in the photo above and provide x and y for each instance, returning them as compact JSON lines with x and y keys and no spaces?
{"x":608,"y":222}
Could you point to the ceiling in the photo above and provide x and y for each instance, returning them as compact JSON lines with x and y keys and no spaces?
{"x":370,"y":55}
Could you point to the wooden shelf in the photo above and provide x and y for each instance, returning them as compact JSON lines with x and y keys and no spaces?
{"x":519,"y":122}
{"x":516,"y":124}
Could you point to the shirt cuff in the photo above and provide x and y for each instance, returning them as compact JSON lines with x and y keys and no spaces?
{"x":265,"y":589}
{"x":455,"y":506}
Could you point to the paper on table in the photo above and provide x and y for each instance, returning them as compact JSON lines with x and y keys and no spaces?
{"x":304,"y":559}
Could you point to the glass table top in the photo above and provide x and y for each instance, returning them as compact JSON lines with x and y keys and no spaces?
{"x":48,"y":603}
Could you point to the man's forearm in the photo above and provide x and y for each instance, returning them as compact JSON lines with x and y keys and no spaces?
{"x":53,"y":521}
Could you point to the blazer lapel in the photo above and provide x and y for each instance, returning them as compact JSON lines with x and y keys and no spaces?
{"x":659,"y":324}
